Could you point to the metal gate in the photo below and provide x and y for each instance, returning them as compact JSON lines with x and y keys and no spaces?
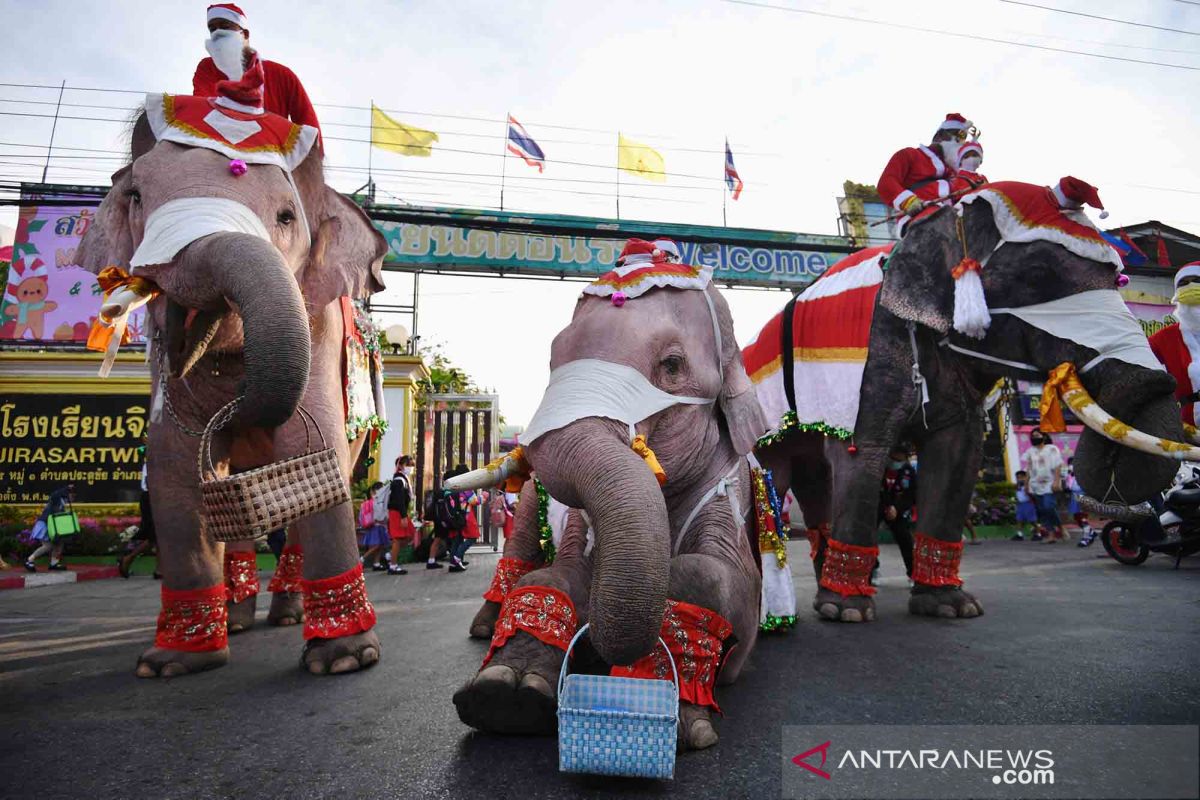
{"x":455,"y":429}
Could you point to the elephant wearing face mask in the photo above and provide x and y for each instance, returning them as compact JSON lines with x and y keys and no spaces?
{"x":668,"y":557}
{"x":254,"y":265}
{"x":942,"y":331}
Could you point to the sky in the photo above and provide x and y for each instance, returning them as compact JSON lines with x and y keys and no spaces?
{"x":806,"y":101}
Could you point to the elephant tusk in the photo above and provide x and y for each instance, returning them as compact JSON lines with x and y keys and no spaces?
{"x":511,"y":468}
{"x":1070,"y":388}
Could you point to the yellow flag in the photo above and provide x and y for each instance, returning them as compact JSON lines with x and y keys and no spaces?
{"x":643,"y":161}
{"x":388,"y":134}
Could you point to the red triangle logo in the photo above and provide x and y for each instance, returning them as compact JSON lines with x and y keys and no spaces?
{"x":800,"y":761}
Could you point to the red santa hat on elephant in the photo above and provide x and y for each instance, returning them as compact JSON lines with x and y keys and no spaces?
{"x":1073,"y":194}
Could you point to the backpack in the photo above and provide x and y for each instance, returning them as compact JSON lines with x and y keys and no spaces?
{"x":497,"y":515}
{"x":448,"y":513}
{"x":366,"y":513}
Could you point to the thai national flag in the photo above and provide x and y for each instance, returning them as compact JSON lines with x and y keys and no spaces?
{"x":731,"y":176}
{"x":520,"y":143}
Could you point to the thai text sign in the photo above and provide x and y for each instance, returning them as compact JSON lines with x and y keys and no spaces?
{"x":49,"y":440}
{"x":770,"y":261}
{"x":48,"y":297}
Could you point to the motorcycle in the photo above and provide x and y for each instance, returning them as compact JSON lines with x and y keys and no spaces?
{"x":1174,"y":531}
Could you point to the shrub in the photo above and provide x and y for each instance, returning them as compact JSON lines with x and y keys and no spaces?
{"x":995,"y":503}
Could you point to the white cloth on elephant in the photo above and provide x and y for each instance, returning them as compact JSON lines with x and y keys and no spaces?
{"x":1098,"y":319}
{"x":590,"y":387}
{"x":556,"y":517}
{"x":177,"y":223}
{"x":778,"y":589}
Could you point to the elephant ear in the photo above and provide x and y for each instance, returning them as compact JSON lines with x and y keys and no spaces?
{"x":738,"y":401}
{"x":347,"y":253}
{"x":108,"y":241}
{"x":917,"y":285}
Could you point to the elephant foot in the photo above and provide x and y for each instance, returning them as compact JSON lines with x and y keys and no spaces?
{"x":844,"y":608}
{"x":241,"y":615}
{"x":948,"y":602}
{"x":484,"y":623}
{"x":157,"y":662}
{"x":287,"y":608}
{"x":344,"y":654}
{"x":515,"y":692}
{"x":696,"y":731}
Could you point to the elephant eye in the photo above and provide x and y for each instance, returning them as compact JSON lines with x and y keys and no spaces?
{"x":672,"y":364}
{"x":134,"y":196}
{"x":285,"y":217}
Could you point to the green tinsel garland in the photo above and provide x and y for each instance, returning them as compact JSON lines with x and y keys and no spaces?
{"x":790,"y":424}
{"x":545,"y":534}
{"x":774,"y":624}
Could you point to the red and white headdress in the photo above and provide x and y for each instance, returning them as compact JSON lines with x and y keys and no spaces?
{"x":227,"y":11}
{"x":1187,"y":271}
{"x":968,"y":148}
{"x":954,"y":122}
{"x":1073,"y":193}
{"x":645,"y":265}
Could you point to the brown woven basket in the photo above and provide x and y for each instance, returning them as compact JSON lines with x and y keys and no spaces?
{"x":254,"y":503}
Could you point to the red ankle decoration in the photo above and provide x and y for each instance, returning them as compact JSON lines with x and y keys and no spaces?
{"x":699,"y":640}
{"x":241,"y":576}
{"x":337,"y":606}
{"x":935,"y":563}
{"x":508,"y":572}
{"x":847,"y":568}
{"x":545,"y":613}
{"x":289,"y":571}
{"x":193,"y":620}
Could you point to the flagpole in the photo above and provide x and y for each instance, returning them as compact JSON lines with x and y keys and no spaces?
{"x":370,"y":154}
{"x":618,"y":175}
{"x":503,"y":160}
{"x":724,"y":186}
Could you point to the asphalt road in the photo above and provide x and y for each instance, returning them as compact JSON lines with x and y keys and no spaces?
{"x":1068,"y":638}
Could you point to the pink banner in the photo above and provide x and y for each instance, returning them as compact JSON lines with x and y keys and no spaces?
{"x":47,"y":297}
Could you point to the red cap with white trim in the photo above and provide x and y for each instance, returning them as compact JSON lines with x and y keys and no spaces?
{"x":970,"y":147}
{"x":1073,"y":193}
{"x":955,"y":122}
{"x":1187,"y":271}
{"x":227,"y":11}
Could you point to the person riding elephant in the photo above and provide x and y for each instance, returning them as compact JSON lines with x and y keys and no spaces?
{"x":904,"y":345}
{"x":1178,"y":344}
{"x":916,"y":177}
{"x":252,"y":262}
{"x":643,"y":434}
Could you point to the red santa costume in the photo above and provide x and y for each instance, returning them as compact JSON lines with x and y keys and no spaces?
{"x":967,"y":176}
{"x":283,"y":94}
{"x":918,"y":175}
{"x":1177,"y":346}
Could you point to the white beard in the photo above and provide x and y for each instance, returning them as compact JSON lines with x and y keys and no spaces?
{"x":949,"y":153}
{"x":1188,"y":316}
{"x":227,"y":50}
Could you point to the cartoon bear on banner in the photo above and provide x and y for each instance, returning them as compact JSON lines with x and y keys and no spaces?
{"x":25,"y":298}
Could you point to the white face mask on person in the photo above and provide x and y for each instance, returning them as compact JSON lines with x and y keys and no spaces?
{"x":971,"y":163}
{"x":226,"y":48}
{"x":589,"y":387}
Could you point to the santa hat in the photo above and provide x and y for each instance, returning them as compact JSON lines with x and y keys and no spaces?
{"x":244,"y":94}
{"x":1073,"y":193}
{"x":639,"y":251}
{"x":669,"y":250}
{"x":954,"y":122}
{"x":969,"y":147}
{"x":227,"y":11}
{"x":1187,"y":271}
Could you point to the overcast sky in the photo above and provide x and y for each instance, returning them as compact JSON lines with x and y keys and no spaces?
{"x":806,"y":102}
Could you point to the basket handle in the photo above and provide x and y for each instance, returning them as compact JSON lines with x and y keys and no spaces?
{"x":562,"y":673}
{"x":204,"y":463}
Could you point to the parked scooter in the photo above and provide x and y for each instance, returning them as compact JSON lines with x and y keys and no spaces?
{"x":1175,"y":531}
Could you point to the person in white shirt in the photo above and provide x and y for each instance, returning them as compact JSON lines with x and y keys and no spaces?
{"x":1043,"y":461}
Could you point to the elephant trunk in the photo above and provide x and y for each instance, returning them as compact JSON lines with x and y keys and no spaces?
{"x":254,"y":278}
{"x":588,"y":465}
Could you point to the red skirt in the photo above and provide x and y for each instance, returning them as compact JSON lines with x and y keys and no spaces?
{"x":471,"y":529}
{"x":400,"y":527}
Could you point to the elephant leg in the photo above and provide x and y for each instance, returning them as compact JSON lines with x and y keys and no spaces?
{"x":515,"y":691}
{"x":522,"y":554}
{"x":240,"y":566}
{"x":192,"y":635}
{"x":731,"y":588}
{"x":287,"y":599}
{"x":949,"y":464}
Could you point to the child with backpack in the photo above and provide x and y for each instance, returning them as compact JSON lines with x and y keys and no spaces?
{"x":375,"y":533}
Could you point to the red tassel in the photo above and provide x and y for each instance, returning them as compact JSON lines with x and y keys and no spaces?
{"x":852,"y":449}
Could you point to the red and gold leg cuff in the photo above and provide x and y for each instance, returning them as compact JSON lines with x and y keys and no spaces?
{"x":700,"y":640}
{"x":508,"y":572}
{"x":544,"y":613}
{"x":193,"y":620}
{"x":847,"y":568}
{"x":337,"y":606}
{"x":241,"y":576}
{"x":289,"y":571}
{"x":935,"y":563}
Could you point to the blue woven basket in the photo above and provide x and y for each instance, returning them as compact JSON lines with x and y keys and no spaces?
{"x":617,"y":726}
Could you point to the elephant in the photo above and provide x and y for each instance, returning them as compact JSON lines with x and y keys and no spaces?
{"x":256,"y":316}
{"x":913,"y":346}
{"x":666,"y":557}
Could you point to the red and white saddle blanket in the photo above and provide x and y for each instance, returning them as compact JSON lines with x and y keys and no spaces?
{"x":1025,"y":212}
{"x":830,"y":328}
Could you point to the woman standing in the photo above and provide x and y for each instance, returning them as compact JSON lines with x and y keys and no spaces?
{"x":399,"y":506}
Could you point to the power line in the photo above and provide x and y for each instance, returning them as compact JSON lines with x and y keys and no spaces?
{"x":1097,"y":16}
{"x":957,"y":35}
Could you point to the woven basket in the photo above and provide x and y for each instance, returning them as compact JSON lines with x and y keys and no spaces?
{"x":617,"y":726}
{"x":254,"y":503}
